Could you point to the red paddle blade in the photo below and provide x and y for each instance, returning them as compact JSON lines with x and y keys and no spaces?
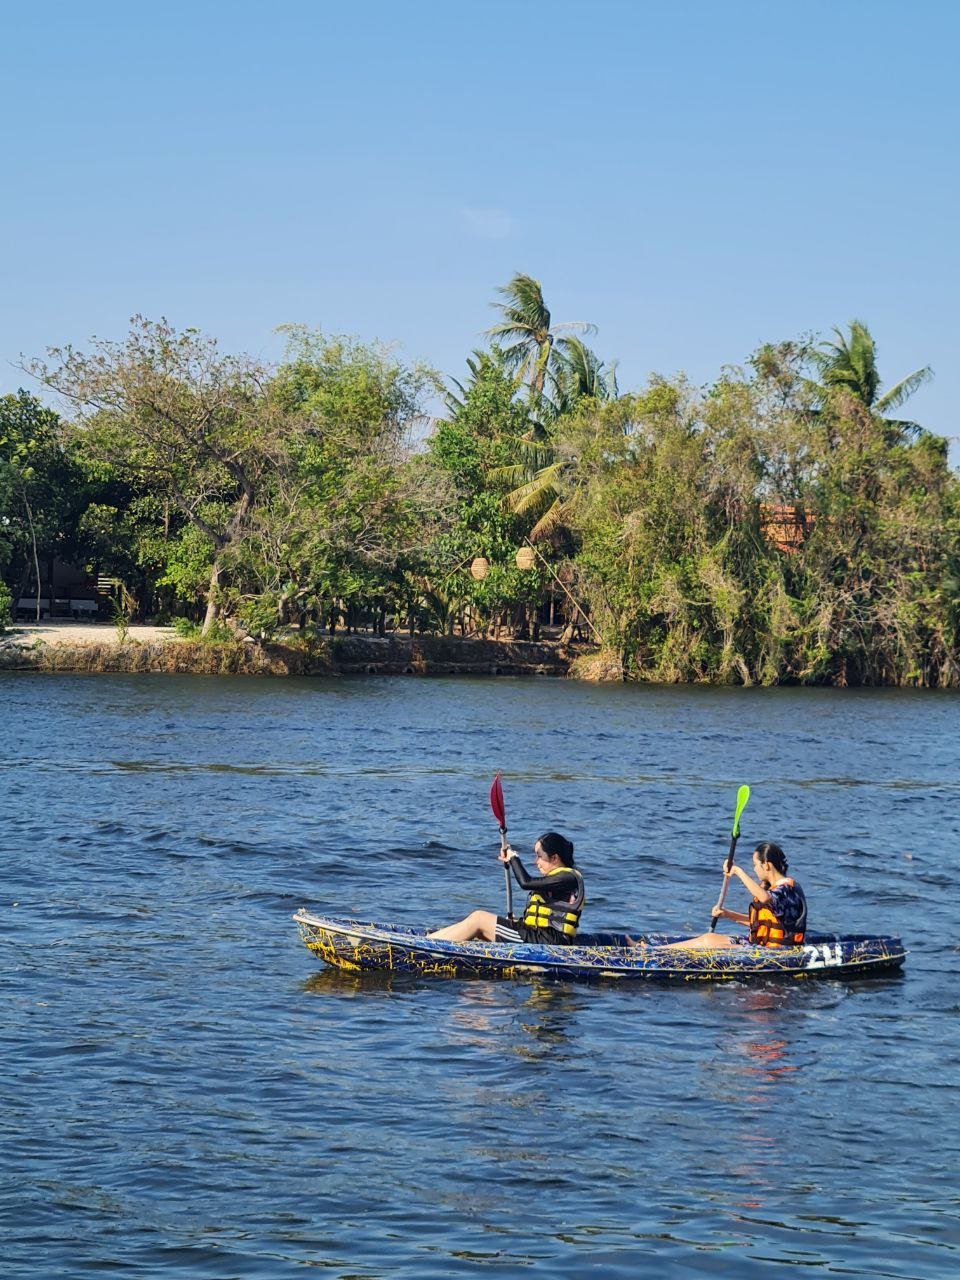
{"x":496,"y":802}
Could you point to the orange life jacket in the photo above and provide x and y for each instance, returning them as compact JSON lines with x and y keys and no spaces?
{"x":766,"y":929}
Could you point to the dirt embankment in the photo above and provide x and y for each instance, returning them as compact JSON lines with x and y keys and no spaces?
{"x":54,"y":646}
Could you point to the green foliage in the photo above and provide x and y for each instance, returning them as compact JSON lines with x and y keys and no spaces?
{"x":528,"y":337}
{"x":187,"y":564}
{"x":186,"y":629}
{"x":171,"y":415}
{"x":776,"y":526}
{"x":679,"y":556}
{"x":39,"y":489}
{"x":216,"y":636}
{"x":6,"y":608}
{"x":848,"y":371}
{"x":351,"y":510}
{"x":473,"y":448}
{"x":259,"y":615}
{"x":351,"y":392}
{"x":120,"y":617}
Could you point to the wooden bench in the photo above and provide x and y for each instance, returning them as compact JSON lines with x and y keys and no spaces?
{"x":28,"y":604}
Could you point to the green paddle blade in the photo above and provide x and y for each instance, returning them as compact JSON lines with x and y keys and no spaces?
{"x":743,"y":795}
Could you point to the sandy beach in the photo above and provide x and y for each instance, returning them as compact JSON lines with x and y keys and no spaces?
{"x":68,"y":632}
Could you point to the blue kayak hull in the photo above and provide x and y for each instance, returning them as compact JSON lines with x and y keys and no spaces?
{"x":354,"y":945}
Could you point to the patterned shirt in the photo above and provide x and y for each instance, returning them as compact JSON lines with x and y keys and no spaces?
{"x":789,"y":905}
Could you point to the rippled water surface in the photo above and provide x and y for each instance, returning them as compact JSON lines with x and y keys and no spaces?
{"x":186,"y":1092}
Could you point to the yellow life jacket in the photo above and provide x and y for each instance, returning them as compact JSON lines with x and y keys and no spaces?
{"x":766,"y":929}
{"x":559,"y":915}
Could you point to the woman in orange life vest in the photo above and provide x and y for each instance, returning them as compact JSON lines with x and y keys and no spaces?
{"x":777,"y":916}
{"x":553,"y":907}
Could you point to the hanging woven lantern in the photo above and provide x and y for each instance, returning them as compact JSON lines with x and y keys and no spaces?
{"x":525,"y":558}
{"x":480,"y":568}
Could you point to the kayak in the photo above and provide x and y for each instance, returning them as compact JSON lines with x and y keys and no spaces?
{"x":355,"y":945}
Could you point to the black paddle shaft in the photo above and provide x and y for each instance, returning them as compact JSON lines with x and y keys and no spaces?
{"x":743,"y":795}
{"x":726,"y":877}
{"x":507,"y":875}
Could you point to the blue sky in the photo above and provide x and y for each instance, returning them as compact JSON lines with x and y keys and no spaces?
{"x":695,"y":178}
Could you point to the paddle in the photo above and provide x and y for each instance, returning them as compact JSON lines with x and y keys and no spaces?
{"x":743,"y":795}
{"x":500,"y":813}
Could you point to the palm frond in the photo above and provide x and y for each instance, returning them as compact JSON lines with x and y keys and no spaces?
{"x":516,"y":334}
{"x":850,"y":363}
{"x":455,"y":404}
{"x":511,"y":476}
{"x":900,"y":430}
{"x":531,"y":493}
{"x":578,"y":373}
{"x":524,"y":304}
{"x":551,"y":520}
{"x":518,"y":357}
{"x":534,"y":453}
{"x":575,"y":326}
{"x":904,"y":389}
{"x":533,"y":503}
{"x":525,"y":326}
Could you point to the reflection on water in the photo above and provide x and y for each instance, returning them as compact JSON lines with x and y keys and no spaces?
{"x":371,"y":982}
{"x":546,"y":1017}
{"x":761,"y":1044}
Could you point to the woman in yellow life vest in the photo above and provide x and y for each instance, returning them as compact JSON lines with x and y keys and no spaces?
{"x":777,"y":916}
{"x":555,"y":900}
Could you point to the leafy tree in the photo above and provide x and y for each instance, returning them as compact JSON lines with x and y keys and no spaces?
{"x":172,"y":414}
{"x":353,"y":509}
{"x":779,"y":525}
{"x":471,"y":447}
{"x":40,"y":491}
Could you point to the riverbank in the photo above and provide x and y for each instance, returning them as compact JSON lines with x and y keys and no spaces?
{"x":79,"y":647}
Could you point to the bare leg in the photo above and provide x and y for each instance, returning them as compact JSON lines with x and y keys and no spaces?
{"x":478,"y":924}
{"x":705,"y":942}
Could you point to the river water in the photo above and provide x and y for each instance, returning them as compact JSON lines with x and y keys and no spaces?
{"x":186,"y":1091}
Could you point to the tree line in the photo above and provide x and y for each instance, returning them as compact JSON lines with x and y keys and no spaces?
{"x":784,"y":524}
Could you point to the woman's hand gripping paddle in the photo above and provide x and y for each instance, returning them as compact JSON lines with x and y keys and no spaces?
{"x":496,"y":804}
{"x":743,"y":795}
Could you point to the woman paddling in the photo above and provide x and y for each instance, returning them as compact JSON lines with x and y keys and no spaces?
{"x":777,"y":916}
{"x":552,"y":912}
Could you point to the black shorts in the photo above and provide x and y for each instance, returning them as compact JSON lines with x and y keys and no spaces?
{"x":516,"y":931}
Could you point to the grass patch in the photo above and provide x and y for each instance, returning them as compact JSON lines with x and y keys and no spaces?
{"x":180,"y":657}
{"x":604,"y":667}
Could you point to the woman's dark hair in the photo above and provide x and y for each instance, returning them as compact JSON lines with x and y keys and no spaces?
{"x":551,"y":842}
{"x":773,"y":854}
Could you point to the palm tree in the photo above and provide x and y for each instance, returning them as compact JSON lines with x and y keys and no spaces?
{"x":578,"y":374}
{"x":541,"y":482}
{"x":849,"y":365}
{"x":543,"y":478}
{"x":526,"y":332}
{"x":478,"y":363}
